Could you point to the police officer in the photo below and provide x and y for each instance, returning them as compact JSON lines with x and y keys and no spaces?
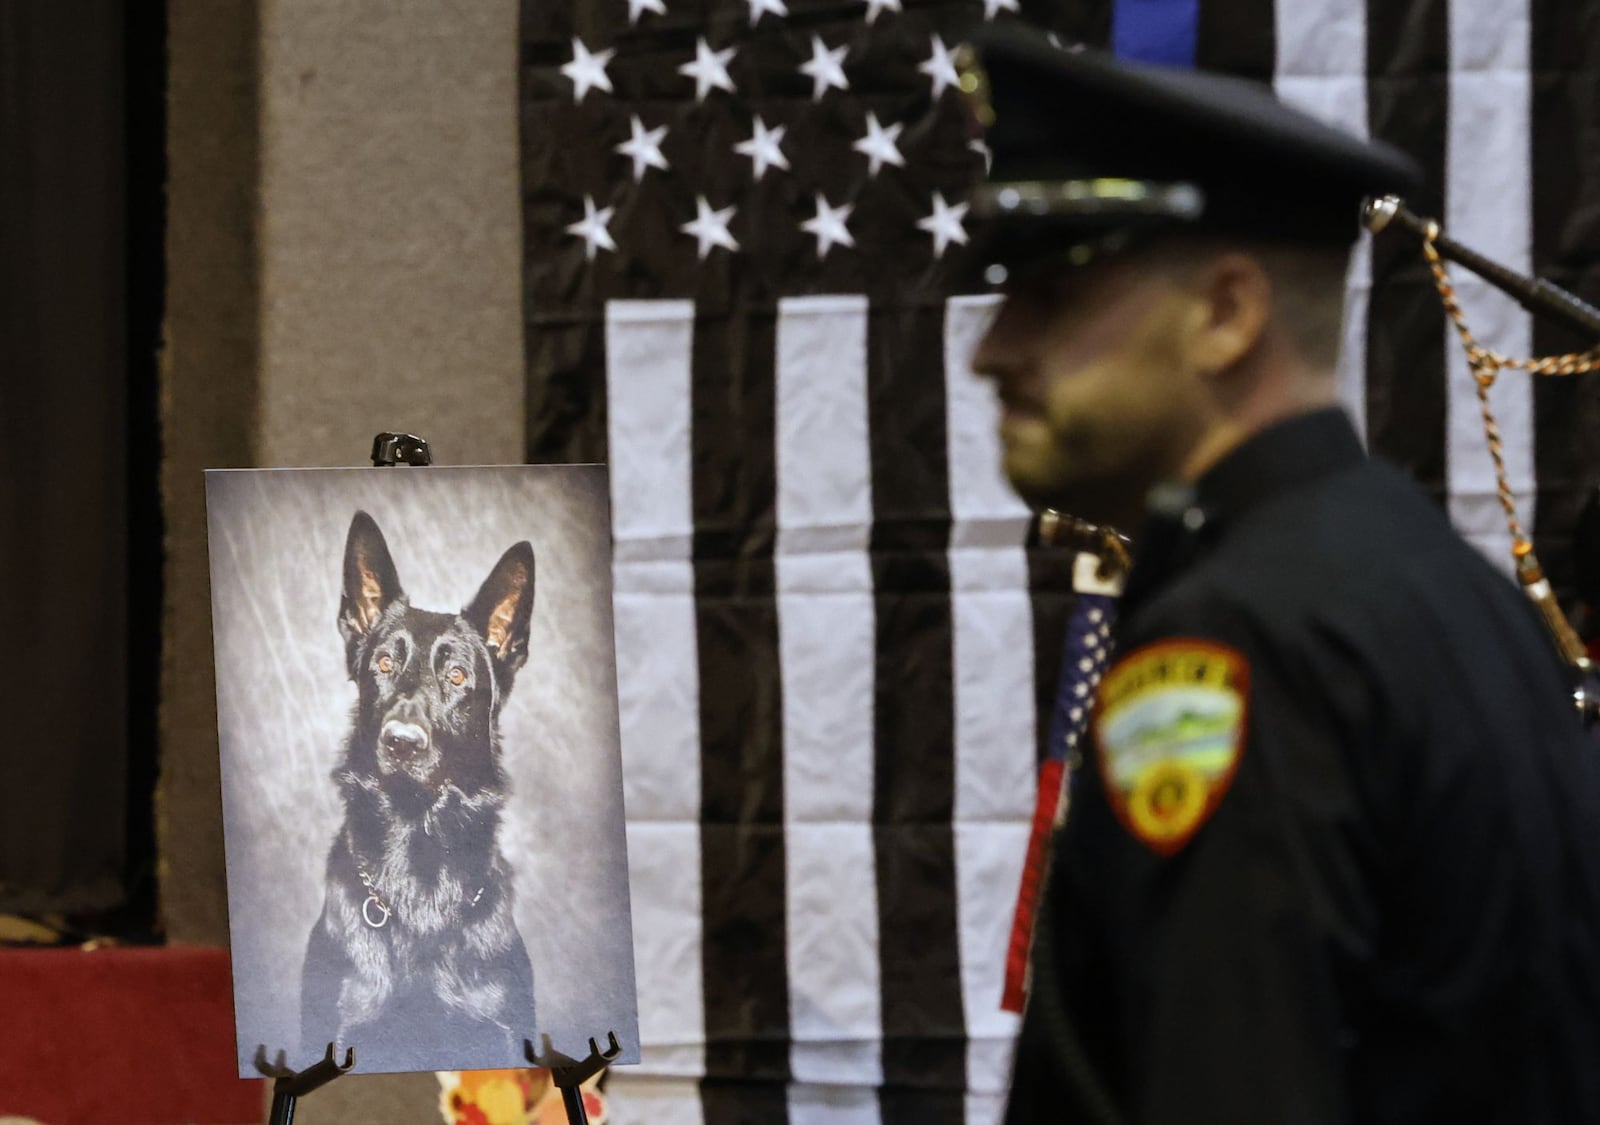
{"x":1335,"y":854}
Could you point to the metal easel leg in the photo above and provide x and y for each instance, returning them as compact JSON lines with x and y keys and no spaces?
{"x":570,"y":1076}
{"x":288,"y":1085}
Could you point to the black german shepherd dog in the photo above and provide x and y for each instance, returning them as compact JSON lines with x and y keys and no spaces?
{"x":416,"y":937}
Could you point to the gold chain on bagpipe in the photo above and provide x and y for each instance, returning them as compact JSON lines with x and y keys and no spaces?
{"x":1486,"y":365}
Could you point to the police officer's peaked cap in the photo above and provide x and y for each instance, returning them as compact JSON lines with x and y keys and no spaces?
{"x":1088,"y":147}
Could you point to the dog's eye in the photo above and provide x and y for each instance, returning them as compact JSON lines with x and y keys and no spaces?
{"x":386,"y":664}
{"x":457,"y":675}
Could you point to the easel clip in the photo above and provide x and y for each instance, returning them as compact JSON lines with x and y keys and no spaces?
{"x":570,"y":1074}
{"x":290,"y":1085}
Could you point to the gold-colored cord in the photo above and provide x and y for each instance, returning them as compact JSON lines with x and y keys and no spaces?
{"x":1486,"y":365}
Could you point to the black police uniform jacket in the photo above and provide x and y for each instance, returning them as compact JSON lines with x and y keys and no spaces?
{"x":1392,"y":914}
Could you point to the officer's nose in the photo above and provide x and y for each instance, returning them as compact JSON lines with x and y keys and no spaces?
{"x":999,"y":353}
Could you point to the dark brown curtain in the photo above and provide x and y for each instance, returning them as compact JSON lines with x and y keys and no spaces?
{"x":76,"y":522}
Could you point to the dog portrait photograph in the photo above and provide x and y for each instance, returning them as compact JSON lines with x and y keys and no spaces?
{"x":421,"y":770}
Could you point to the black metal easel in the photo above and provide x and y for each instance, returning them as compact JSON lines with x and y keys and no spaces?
{"x":570,"y":1074}
{"x":289,"y":1085}
{"x":400,"y":449}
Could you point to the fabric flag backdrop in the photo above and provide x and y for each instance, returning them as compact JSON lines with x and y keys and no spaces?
{"x":835,"y":640}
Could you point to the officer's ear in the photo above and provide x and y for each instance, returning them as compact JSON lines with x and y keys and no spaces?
{"x":1232,"y":306}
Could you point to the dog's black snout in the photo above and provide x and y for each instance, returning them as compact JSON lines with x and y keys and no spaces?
{"x":404,"y":741}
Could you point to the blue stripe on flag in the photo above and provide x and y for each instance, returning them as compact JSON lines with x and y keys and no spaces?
{"x":1156,"y":31}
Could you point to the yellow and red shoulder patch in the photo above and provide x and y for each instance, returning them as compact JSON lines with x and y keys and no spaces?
{"x":1169,"y":729}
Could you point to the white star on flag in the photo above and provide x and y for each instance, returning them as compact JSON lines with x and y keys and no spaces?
{"x":710,"y":228}
{"x":762,"y":148}
{"x":759,"y":8}
{"x":992,"y":8}
{"x":828,"y":227}
{"x":878,"y":146}
{"x":592,"y":228}
{"x":588,"y":71}
{"x":940,"y":68}
{"x":876,"y":6}
{"x":636,"y":8}
{"x":945,"y":225}
{"x":644,"y":147}
{"x":709,"y":69}
{"x":826,"y":68}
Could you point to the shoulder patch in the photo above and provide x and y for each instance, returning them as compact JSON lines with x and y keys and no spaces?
{"x":1169,"y":729}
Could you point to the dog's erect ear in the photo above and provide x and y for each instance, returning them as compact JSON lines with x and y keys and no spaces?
{"x":503,"y":607}
{"x":370,"y":582}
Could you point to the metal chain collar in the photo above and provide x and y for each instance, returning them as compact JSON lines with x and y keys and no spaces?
{"x":374,"y":899}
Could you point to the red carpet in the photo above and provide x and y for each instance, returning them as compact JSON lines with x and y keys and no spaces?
{"x":135,"y":1036}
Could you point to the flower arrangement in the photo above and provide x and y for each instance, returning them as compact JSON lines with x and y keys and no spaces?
{"x":512,"y":1097}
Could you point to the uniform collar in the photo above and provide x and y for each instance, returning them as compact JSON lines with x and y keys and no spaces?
{"x":1278,"y":459}
{"x":1184,"y":518}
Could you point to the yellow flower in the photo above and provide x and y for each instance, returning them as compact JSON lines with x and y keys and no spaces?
{"x":500,"y":1099}
{"x":510,"y":1097}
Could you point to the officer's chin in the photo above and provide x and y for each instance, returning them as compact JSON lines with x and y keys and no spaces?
{"x":1103,"y":503}
{"x":1043,"y":485}
{"x":1027,"y":464}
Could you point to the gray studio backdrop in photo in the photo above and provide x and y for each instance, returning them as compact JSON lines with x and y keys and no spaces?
{"x":284,"y":703}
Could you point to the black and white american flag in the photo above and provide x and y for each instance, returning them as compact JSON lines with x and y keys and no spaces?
{"x":835,"y":639}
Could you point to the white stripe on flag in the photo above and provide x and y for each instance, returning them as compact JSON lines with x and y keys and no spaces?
{"x":649,"y":345}
{"x":635,"y":1099}
{"x":827,"y":650}
{"x":1321,"y":68}
{"x":1490,"y":209}
{"x":985,"y":1109}
{"x":992,"y":623}
{"x":648,"y":349}
{"x":984,"y":510}
{"x":1352,"y":371}
{"x":824,"y":443}
{"x":833,"y":1105}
